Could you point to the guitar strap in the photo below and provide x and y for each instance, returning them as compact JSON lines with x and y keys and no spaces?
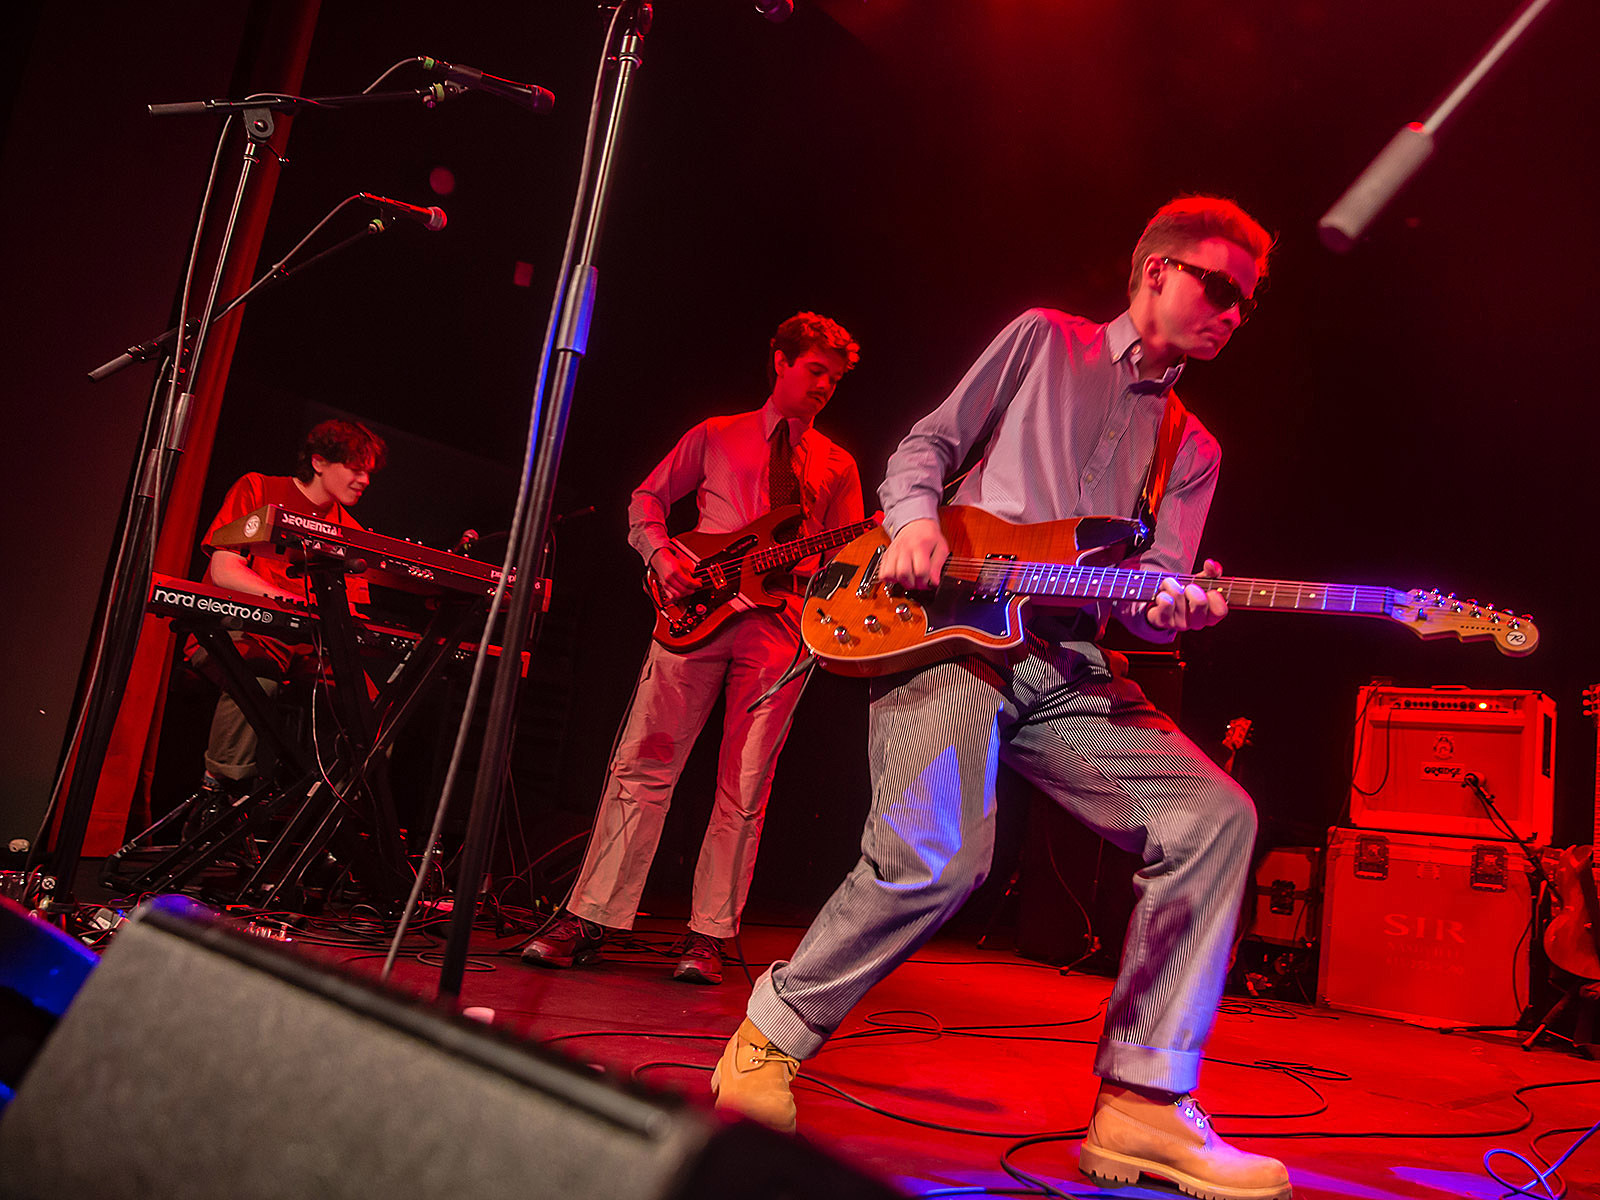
{"x":1169,"y":435}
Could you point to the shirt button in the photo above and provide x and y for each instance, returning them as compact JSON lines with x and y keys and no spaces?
{"x":1111,"y":435}
{"x":1088,"y":476}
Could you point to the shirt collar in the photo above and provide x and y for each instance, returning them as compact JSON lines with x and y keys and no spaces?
{"x":770,"y":417}
{"x":1122,"y":339}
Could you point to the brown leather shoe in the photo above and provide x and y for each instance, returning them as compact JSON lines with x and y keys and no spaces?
{"x":702,"y":959}
{"x":1130,"y":1135}
{"x":565,"y":941}
{"x":752,"y":1079}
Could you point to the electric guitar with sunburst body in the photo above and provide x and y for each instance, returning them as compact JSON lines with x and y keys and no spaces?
{"x":858,"y":625}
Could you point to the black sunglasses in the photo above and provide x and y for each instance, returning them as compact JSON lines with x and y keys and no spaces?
{"x":1219,"y":287}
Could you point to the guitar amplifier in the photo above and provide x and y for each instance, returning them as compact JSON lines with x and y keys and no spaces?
{"x":1416,"y":747}
{"x":1432,"y":930}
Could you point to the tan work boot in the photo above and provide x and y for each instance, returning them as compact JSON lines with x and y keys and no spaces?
{"x":1130,"y":1135}
{"x":752,"y":1079}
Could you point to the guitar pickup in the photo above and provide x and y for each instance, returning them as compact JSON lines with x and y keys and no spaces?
{"x":990,"y":584}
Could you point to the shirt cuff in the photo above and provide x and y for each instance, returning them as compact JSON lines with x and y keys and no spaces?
{"x":1131,"y":614}
{"x":913,"y":508}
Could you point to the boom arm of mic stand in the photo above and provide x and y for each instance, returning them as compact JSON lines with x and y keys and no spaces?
{"x":1343,"y":224}
{"x":430,"y":95}
{"x":144,"y":351}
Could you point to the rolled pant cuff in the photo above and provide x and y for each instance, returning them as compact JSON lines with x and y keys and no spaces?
{"x":784,"y":1027}
{"x":1133,"y":1065}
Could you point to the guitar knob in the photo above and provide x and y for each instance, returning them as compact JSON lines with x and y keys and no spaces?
{"x":903,"y":611}
{"x":871,"y":622}
{"x":842,"y":635}
{"x":700,"y":610}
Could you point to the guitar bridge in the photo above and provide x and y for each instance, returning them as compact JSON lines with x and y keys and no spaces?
{"x":869,"y":574}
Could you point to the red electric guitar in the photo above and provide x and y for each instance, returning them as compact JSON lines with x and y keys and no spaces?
{"x":1572,"y":939}
{"x":735,"y":572}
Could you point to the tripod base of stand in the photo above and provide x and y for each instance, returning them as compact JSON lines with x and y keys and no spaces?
{"x":1579,"y":989}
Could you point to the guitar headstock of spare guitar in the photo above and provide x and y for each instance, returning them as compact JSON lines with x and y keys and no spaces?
{"x":1432,"y":614}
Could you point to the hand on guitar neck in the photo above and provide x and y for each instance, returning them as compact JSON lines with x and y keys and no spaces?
{"x":1178,"y":607}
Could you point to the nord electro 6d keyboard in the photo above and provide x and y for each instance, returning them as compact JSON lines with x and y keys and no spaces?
{"x":392,"y":562}
{"x":205,"y":605}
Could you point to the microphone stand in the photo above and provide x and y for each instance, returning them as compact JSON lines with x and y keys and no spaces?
{"x":567,"y":335}
{"x":111,"y":653}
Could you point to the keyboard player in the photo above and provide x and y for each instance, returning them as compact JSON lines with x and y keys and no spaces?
{"x":336,"y":463}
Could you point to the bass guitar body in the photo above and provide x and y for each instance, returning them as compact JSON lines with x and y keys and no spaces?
{"x":860,"y":626}
{"x":726,"y":563}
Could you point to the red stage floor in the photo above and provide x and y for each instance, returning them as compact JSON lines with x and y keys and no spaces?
{"x":987,"y":1048}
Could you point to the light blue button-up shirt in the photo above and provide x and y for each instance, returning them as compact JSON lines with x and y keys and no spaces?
{"x":1071,"y":430}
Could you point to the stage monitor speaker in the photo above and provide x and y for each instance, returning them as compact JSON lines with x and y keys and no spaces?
{"x":197,"y":1062}
{"x":1415,"y":748}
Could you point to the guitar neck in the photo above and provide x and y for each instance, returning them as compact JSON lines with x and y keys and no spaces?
{"x":784,"y":553}
{"x":1069,"y":581}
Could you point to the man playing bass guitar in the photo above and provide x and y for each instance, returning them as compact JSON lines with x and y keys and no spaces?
{"x":739,"y":468}
{"x":1068,"y":414}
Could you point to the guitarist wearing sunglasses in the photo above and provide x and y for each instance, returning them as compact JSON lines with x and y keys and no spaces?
{"x":1072,"y":418}
{"x":740,"y":469}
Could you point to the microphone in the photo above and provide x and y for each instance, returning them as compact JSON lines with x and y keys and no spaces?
{"x":775,"y":10}
{"x":1343,"y":224}
{"x":532,"y":96}
{"x":431,"y":218}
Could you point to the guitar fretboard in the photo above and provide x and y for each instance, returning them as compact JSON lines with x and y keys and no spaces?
{"x":785,"y":553}
{"x":1071,"y":581}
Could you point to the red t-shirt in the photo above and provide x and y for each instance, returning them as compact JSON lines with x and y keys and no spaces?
{"x":255,"y":491}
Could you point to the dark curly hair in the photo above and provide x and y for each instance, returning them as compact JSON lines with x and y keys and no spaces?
{"x":346,"y":442}
{"x":812,"y":331}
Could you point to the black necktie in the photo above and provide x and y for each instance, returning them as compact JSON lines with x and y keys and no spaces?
{"x":783,"y":486}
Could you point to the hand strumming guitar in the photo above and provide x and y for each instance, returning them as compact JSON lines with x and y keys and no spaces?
{"x":916,"y":555}
{"x":674,"y":572}
{"x":1177,"y":607}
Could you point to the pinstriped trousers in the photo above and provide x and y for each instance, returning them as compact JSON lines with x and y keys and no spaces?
{"x":1095,"y":745}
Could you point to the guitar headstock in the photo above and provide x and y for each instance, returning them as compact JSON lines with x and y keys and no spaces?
{"x":1238,"y":733}
{"x":1591,"y":701}
{"x":1435,"y":614}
